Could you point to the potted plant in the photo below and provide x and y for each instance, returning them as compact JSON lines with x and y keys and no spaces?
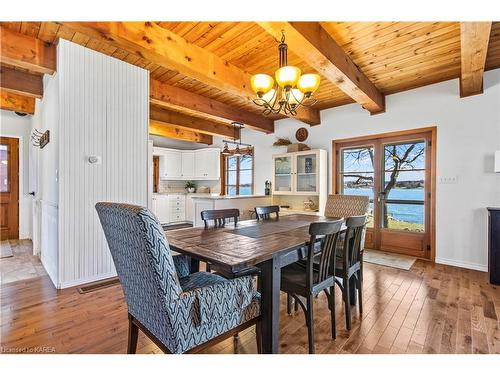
{"x":190,"y":186}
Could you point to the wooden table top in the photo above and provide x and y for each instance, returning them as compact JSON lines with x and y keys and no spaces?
{"x":249,"y":243}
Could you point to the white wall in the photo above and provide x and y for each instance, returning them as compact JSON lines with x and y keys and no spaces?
{"x":468,"y":133}
{"x":12,"y":125}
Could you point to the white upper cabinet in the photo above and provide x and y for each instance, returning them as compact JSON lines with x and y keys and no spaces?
{"x":171,"y":164}
{"x":187,"y":164}
{"x":203,"y":164}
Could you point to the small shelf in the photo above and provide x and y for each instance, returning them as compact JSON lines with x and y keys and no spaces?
{"x":283,"y":174}
{"x":306,"y":174}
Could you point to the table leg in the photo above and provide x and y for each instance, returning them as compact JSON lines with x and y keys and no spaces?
{"x":270,"y":305}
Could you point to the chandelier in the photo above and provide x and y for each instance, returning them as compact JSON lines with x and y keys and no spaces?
{"x":237,"y":151}
{"x":291,"y":90}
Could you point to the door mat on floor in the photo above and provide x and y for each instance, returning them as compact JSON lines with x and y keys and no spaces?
{"x":5,"y":249}
{"x":92,"y":287}
{"x":383,"y":258}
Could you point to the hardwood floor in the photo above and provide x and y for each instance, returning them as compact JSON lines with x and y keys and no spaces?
{"x":429,"y":309}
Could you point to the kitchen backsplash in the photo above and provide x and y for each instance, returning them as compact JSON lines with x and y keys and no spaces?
{"x":168,"y":186}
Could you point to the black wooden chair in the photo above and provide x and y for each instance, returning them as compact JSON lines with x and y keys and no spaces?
{"x":308,"y":282}
{"x":219,"y":217}
{"x":349,"y":264}
{"x":265,"y":212}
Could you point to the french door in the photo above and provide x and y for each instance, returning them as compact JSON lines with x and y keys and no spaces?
{"x":396,"y":171}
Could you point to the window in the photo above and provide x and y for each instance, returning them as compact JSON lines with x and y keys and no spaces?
{"x":238,"y":174}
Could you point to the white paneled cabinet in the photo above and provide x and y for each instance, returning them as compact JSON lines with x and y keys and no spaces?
{"x":203,"y":164}
{"x":160,"y":208}
{"x":169,"y":208}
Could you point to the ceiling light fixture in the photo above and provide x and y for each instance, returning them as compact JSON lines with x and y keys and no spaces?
{"x":237,"y":151}
{"x":291,"y":90}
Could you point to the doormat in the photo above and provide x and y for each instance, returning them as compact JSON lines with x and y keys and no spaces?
{"x":92,"y":287}
{"x":5,"y":249}
{"x":383,"y":258}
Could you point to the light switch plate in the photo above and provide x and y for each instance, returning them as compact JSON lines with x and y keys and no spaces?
{"x":448,"y":180}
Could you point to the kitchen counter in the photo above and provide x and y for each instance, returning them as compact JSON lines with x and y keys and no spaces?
{"x":224,"y":197}
{"x":244,"y":203}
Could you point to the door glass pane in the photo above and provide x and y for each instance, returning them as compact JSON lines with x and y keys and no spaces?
{"x":283,"y":173}
{"x":403,"y":196}
{"x":357,"y":174}
{"x":306,"y":172}
{"x":4,"y":168}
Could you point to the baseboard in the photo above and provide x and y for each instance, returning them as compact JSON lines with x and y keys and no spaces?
{"x":470,"y":266}
{"x":72,"y":283}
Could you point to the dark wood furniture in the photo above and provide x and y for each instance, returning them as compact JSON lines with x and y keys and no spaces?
{"x":219,"y":217}
{"x":266,"y":244}
{"x":494,"y":244}
{"x":315,"y":278}
{"x":349,"y":264}
{"x":265,"y":212}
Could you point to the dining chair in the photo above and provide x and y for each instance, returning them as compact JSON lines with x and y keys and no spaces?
{"x":349,"y":264}
{"x":219,"y":217}
{"x":308,"y":282}
{"x":264,"y":212}
{"x":178,"y":310}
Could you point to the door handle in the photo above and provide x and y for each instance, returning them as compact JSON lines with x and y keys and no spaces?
{"x":31,"y":193}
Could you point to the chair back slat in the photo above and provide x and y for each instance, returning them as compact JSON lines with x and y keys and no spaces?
{"x":264,"y":212}
{"x":353,"y":241}
{"x":330,"y":231}
{"x":219,"y":217}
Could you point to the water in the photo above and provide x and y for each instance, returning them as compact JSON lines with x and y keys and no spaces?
{"x":403,"y":212}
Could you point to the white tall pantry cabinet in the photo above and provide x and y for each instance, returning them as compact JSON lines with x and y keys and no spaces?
{"x":99,"y":153}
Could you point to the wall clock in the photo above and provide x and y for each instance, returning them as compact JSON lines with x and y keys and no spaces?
{"x":301,"y":134}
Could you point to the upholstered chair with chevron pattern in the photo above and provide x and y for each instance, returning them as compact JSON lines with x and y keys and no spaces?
{"x":180,"y":312}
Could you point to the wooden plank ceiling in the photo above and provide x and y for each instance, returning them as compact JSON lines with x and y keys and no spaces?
{"x":394,"y":56}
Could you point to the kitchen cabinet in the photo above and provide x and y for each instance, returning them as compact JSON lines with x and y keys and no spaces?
{"x":187,"y":164}
{"x":160,"y":208}
{"x":176,"y":208}
{"x":202,"y":164}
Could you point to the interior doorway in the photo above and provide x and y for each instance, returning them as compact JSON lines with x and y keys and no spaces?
{"x":9,"y":188}
{"x":397,"y":171}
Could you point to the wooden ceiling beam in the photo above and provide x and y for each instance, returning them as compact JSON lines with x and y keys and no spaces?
{"x":21,"y":83}
{"x":173,"y":131}
{"x":180,"y":100}
{"x":474,"y":39}
{"x":18,"y":103}
{"x":27,"y":52}
{"x":165,"y":48}
{"x":196,"y":124}
{"x":313,"y":44}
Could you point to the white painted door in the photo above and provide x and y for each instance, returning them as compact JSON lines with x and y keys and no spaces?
{"x":187,"y":165}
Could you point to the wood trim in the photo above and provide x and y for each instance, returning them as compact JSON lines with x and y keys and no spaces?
{"x":11,"y":198}
{"x":317,"y":48}
{"x":156,"y":173}
{"x":474,"y":40}
{"x":395,"y":136}
{"x":21,"y":83}
{"x":27,"y":52}
{"x":19,"y":103}
{"x":165,"y":48}
{"x":223,"y":171}
{"x":184,"y":101}
{"x":197,"y":124}
{"x":172,"y":131}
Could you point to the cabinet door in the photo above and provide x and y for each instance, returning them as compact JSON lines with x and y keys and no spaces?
{"x":213,"y":164}
{"x":187,"y":164}
{"x":200,"y":164}
{"x":306,"y":173}
{"x":283,"y":174}
{"x":172,"y":164}
{"x":189,"y":208}
{"x":162,"y":211}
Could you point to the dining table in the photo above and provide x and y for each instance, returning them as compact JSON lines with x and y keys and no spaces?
{"x":268,"y":245}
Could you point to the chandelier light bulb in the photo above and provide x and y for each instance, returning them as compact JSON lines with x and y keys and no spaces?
{"x":309,"y":83}
{"x":261,"y":84}
{"x":296,"y":97}
{"x":287,"y":76}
